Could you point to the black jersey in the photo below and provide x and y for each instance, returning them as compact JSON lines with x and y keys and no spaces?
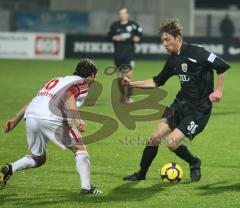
{"x":124,"y":48}
{"x":194,"y":66}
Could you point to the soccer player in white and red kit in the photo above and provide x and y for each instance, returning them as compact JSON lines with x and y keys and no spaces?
{"x":49,"y":116}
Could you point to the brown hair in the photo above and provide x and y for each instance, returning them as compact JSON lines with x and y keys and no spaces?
{"x":171,"y":26}
{"x":123,"y":8}
{"x":85,"y":68}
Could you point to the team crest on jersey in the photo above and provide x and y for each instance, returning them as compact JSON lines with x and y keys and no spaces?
{"x":129,"y":28}
{"x":184,"y":67}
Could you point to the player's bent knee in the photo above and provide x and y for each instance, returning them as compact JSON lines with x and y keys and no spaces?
{"x":171,"y":144}
{"x":82,"y":155}
{"x":155,"y":140}
{"x":78,"y":147}
{"x":163,"y":120}
{"x":40,"y":160}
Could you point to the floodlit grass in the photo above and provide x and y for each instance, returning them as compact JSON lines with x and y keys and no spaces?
{"x":56,"y":184}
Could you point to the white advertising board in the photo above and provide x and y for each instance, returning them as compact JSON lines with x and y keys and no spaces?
{"x":32,"y":45}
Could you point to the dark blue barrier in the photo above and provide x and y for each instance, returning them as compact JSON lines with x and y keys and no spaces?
{"x":55,"y":21}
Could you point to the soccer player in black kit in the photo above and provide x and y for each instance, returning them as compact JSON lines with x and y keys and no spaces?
{"x":124,"y":34}
{"x":192,"y":106}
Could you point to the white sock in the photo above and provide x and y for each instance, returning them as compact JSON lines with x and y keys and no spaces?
{"x":24,"y":163}
{"x":83,"y":168}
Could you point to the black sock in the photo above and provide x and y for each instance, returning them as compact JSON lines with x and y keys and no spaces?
{"x":121,"y":87}
{"x":149,"y":153}
{"x":183,"y":152}
{"x":129,"y":91}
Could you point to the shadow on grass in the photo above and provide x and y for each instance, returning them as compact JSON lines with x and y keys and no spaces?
{"x":219,"y":187}
{"x":124,"y":193}
{"x":186,"y":182}
{"x":224,"y":113}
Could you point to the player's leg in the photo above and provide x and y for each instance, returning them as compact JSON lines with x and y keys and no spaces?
{"x":26,"y":162}
{"x":128,"y":72}
{"x":126,"y":92}
{"x":129,"y":90}
{"x":191,"y":126}
{"x":37,"y":145}
{"x":118,"y":64}
{"x":174,"y":144}
{"x":121,"y":87}
{"x":82,"y":164}
{"x":66,"y":135}
{"x":72,"y":139}
{"x":83,"y":168}
{"x":150,"y":151}
{"x":125,"y":69}
{"x":183,"y":122}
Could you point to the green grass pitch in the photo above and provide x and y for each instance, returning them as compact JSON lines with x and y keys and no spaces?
{"x":56,"y":184}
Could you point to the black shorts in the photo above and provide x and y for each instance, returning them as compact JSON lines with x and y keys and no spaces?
{"x":188,"y":120}
{"x":125,"y":63}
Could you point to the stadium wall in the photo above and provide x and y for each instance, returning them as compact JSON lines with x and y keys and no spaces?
{"x":147,"y":13}
{"x":5,"y":20}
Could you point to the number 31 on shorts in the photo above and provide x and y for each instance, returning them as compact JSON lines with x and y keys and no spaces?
{"x":192,"y":127}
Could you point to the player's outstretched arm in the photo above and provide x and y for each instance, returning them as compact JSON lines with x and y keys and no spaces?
{"x":149,"y":83}
{"x":217,"y":94}
{"x":10,"y":124}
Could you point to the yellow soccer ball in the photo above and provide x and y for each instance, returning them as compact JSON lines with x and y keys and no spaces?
{"x":171,"y":173}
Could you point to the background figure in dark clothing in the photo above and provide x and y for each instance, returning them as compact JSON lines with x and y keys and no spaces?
{"x":124,"y":34}
{"x":227,"y":30}
{"x":226,"y":27}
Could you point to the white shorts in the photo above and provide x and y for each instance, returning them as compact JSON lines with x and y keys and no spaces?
{"x":40,"y":131}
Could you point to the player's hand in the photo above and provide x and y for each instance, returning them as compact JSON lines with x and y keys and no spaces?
{"x":117,"y":37}
{"x":10,"y":125}
{"x":126,"y":82}
{"x":215,"y":96}
{"x":136,"y":38}
{"x":80,"y":124}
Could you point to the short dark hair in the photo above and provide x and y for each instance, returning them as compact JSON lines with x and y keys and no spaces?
{"x":171,"y":26}
{"x":85,"y":68}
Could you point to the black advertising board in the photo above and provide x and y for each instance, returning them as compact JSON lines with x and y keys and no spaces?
{"x":95,"y":46}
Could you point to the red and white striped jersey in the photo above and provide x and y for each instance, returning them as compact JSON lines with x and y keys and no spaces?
{"x":49,"y":103}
